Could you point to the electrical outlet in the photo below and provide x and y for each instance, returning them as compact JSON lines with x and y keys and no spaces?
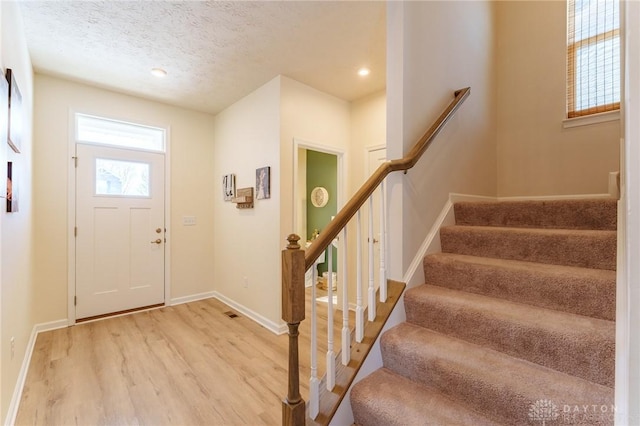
{"x":188,"y":220}
{"x":13,"y":346}
{"x":245,"y":280}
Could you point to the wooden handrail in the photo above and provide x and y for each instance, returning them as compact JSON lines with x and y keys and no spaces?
{"x":353,"y":205}
{"x":295,"y":262}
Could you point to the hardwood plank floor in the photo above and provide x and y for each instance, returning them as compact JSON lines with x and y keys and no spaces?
{"x":182,"y":365}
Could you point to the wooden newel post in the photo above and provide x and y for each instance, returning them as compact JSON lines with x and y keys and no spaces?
{"x":293,"y":306}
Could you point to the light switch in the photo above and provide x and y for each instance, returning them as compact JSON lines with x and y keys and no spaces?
{"x":188,"y":220}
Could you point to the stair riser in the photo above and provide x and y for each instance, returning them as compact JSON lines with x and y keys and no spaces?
{"x":556,"y":214}
{"x":589,"y":356}
{"x":587,"y":249}
{"x":496,"y":397}
{"x":589,"y":294}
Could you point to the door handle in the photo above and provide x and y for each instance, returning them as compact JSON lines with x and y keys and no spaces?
{"x":158,"y":241}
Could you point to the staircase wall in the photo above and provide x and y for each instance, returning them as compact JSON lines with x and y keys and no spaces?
{"x":536,"y":155}
{"x":433,"y":49}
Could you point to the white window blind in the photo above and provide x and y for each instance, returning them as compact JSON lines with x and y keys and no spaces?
{"x":593,"y":57}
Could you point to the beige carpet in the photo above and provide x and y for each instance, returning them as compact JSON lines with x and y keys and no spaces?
{"x":514,"y":324}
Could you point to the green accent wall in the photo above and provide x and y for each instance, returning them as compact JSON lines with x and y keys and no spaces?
{"x":322,"y":170}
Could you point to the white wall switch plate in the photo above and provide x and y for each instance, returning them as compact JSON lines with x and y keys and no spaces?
{"x":188,"y":220}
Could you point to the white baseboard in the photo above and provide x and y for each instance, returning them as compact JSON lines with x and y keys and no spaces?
{"x":277,"y":328}
{"x":192,"y":298}
{"x":555,"y":197}
{"x":455,"y":197}
{"x":12,"y":412}
{"x":465,"y":197}
{"x":431,"y":244}
{"x":265,"y":322}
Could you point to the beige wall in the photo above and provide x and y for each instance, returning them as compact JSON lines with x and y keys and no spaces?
{"x":368,"y":129}
{"x":536,"y":156}
{"x":16,"y":259}
{"x":247,"y":241}
{"x":314,"y":117}
{"x":436,"y":48}
{"x":191,"y":192}
{"x":259,"y":131}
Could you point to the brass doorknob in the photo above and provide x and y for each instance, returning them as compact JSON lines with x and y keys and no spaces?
{"x":158,"y":241}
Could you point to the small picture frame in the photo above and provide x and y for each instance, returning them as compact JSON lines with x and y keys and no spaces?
{"x":229,"y":187}
{"x":12,"y":189}
{"x":263,"y":183}
{"x":15,"y":113}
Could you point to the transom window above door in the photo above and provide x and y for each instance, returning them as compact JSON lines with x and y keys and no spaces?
{"x":104,"y":131}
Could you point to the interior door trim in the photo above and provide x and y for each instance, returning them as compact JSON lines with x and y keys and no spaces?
{"x":339,"y":153}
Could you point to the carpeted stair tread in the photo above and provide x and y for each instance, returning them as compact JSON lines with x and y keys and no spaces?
{"x":582,"y":291}
{"x":582,"y":248}
{"x":385,"y":398}
{"x":574,"y":344}
{"x":515,"y":322}
{"x":497,"y":385}
{"x":561,"y":214}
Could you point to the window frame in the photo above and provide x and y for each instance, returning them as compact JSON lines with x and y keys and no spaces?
{"x":572,"y":65}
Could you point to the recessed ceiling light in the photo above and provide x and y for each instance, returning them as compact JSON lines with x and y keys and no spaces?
{"x":363,"y":72}
{"x":158,"y":72}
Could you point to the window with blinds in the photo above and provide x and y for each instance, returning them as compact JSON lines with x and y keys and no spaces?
{"x":593,"y":57}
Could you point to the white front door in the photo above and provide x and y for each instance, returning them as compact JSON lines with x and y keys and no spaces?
{"x":120,"y":229}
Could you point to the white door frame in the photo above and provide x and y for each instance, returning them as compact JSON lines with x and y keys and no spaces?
{"x":71,"y":210}
{"x":340,"y":154}
{"x":368,"y":150}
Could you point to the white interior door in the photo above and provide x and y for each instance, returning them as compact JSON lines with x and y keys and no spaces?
{"x":375,"y":158}
{"x":120,"y":230}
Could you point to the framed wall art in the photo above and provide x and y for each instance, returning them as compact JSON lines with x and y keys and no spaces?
{"x":12,"y":189}
{"x":263,"y":183}
{"x":4,"y":111}
{"x":229,"y":186}
{"x":15,"y":113}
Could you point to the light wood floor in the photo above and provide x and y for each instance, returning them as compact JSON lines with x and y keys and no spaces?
{"x":183,"y":365}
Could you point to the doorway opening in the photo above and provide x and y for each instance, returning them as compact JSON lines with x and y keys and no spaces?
{"x":318,"y":196}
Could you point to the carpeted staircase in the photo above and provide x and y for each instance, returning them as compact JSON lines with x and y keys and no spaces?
{"x":515,"y":324}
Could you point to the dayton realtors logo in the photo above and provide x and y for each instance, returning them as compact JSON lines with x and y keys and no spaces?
{"x":543,"y":410}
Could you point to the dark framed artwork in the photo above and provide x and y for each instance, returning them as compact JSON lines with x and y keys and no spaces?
{"x":15,"y":112}
{"x":12,"y":189}
{"x":229,"y":186}
{"x":4,"y":111}
{"x":263,"y":183}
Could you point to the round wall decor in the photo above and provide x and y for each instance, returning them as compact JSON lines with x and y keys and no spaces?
{"x":319,"y":196}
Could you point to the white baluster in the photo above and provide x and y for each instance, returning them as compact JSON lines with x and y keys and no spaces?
{"x":314,"y":381}
{"x":346,"y":333}
{"x":359,"y":307}
{"x":372,"y":289}
{"x":383,"y":239}
{"x":331,"y":356}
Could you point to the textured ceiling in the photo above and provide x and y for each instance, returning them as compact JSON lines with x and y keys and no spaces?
{"x":215,"y":52}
